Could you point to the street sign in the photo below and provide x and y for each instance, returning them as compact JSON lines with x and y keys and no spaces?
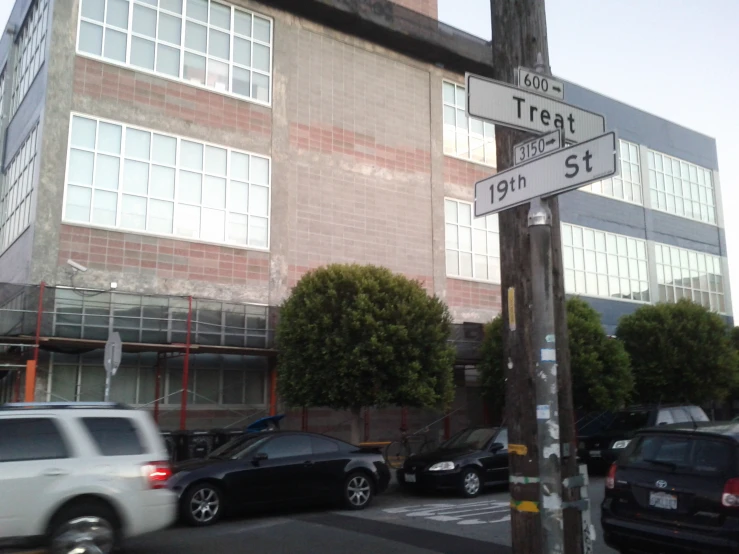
{"x":511,"y":106}
{"x":553,"y":174}
{"x":543,"y":84}
{"x":113,"y":351}
{"x":537,"y":147}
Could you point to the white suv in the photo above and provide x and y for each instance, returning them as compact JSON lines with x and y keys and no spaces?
{"x":81,"y":477}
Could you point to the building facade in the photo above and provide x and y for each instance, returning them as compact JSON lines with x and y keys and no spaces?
{"x":198,"y":157}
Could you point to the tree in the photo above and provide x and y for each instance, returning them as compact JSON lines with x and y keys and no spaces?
{"x":601,"y":373}
{"x":352,"y":336}
{"x":679,"y":353}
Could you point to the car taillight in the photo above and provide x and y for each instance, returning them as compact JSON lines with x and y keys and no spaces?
{"x":730,"y":498}
{"x":611,"y":477}
{"x":156,"y":474}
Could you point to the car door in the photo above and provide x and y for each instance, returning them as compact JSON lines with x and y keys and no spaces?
{"x":499,"y":463}
{"x":329,"y":462}
{"x":35,"y":462}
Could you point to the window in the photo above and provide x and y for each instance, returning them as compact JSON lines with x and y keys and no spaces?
{"x":288,"y":447}
{"x":664,"y":417}
{"x":471,"y":139}
{"x":15,"y":193}
{"x":681,"y":188}
{"x":502,"y":438}
{"x":201,"y":42}
{"x":604,"y":264}
{"x":323,"y":446}
{"x":472,"y":246}
{"x":2,"y":95}
{"x":696,"y":276}
{"x":30,"y":439}
{"x":128,"y":178}
{"x":31,"y":45}
{"x":685,"y":453}
{"x":114,"y":436}
{"x":627,"y":186}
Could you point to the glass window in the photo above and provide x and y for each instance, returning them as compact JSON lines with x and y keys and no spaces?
{"x":681,"y":188}
{"x":604,"y":264}
{"x":114,"y":436}
{"x":214,"y":53}
{"x":323,"y":446}
{"x":470,"y":139}
{"x":685,"y":453}
{"x":213,"y":193}
{"x":16,"y":186}
{"x":627,"y":186}
{"x":24,"y":439}
{"x":31,"y":47}
{"x":288,"y":447}
{"x":472,"y":246}
{"x":690,"y":274}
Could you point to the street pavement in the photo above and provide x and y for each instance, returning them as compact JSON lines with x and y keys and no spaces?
{"x":397,"y":522}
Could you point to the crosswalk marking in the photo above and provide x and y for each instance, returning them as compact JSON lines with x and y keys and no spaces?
{"x":463,"y":514}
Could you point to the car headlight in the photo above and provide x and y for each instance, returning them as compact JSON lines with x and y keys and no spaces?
{"x":442,"y":466}
{"x":618,"y":445}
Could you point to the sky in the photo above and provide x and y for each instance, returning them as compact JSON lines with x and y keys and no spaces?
{"x":678,"y":59}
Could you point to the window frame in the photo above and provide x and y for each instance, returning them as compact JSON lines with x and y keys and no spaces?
{"x":183,"y":49}
{"x":175,"y":200}
{"x":11,"y":186}
{"x":456,"y":154}
{"x":23,"y":80}
{"x":621,"y":161}
{"x":471,"y":252}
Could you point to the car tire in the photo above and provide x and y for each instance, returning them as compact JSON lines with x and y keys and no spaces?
{"x":87,"y":526}
{"x":470,"y":484}
{"x":358,"y":491}
{"x":202,"y":505}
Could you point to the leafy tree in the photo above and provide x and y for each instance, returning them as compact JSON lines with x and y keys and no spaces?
{"x":354,"y":336}
{"x":679,"y":353}
{"x":601,"y":374}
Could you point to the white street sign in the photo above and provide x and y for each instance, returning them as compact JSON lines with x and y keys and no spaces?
{"x":543,"y":84}
{"x":511,"y":106}
{"x":537,"y":147}
{"x":113,"y":353}
{"x":556,"y":173}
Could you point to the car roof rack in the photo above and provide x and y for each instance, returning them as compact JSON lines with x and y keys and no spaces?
{"x":64,"y":406}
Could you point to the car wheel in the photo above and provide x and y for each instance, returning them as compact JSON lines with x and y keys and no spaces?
{"x":358,"y":491}
{"x":202,"y":505}
{"x":470,"y":484}
{"x":84,"y":527}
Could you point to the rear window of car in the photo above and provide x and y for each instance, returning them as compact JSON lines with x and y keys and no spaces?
{"x":683,"y":453}
{"x":114,"y":436}
{"x":24,"y":439}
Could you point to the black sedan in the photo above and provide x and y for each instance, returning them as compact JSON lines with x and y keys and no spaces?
{"x":277,"y":467}
{"x":471,"y":460}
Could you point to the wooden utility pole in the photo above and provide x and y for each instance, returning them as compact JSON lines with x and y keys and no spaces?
{"x":519,"y":35}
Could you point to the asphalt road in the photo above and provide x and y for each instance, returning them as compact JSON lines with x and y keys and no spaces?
{"x":395,"y":523}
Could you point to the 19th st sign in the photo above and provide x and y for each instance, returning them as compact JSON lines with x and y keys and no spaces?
{"x":555,"y":173}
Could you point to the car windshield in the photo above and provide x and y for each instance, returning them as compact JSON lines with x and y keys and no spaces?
{"x":629,"y":421}
{"x":470,"y":438}
{"x":236,"y":448}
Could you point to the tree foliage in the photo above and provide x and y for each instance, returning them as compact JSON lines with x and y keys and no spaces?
{"x":353,"y":336}
{"x":601,"y":374}
{"x":679,"y":353}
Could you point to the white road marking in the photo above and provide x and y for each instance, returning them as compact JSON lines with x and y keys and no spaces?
{"x":466,"y":513}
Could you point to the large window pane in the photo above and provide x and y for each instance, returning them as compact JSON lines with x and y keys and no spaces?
{"x":78,"y":203}
{"x":133,"y":212}
{"x":168,"y":60}
{"x":106,"y":204}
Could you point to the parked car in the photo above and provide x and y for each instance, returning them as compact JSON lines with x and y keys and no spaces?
{"x":277,"y":467}
{"x":600,"y":450}
{"x":675,"y":489}
{"x":468,"y":462}
{"x":74,"y":475}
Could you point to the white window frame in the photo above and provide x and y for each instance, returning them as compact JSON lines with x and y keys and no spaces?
{"x":175,"y":200}
{"x":687,"y":168}
{"x":183,"y":49}
{"x":620,"y":259}
{"x":468,"y":130}
{"x":627,"y":166}
{"x":696,"y":263}
{"x":30,"y":53}
{"x":16,"y":189}
{"x":491,"y":227}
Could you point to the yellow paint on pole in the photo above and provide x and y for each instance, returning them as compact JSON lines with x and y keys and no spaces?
{"x":519,"y":449}
{"x":525,"y":506}
{"x":511,"y":308}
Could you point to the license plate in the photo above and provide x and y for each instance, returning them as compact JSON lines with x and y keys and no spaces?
{"x":663,"y":500}
{"x":409,"y":478}
{"x":595,"y":454}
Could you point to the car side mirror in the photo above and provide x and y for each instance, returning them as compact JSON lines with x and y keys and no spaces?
{"x":497,"y":447}
{"x":260,"y":457}
{"x":661,"y":423}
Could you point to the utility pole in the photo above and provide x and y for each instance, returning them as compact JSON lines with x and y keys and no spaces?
{"x":533,"y":306}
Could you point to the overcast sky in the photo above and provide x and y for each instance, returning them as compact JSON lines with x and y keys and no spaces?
{"x":678,"y":59}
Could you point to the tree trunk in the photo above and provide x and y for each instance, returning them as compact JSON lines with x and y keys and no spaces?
{"x":356,"y":426}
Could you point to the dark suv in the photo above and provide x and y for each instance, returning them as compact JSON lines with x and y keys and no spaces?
{"x":675,"y":489}
{"x":600,"y":450}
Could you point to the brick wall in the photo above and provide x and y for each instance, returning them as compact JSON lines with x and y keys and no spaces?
{"x":118,"y":252}
{"x":472,"y":301}
{"x":426,"y":7}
